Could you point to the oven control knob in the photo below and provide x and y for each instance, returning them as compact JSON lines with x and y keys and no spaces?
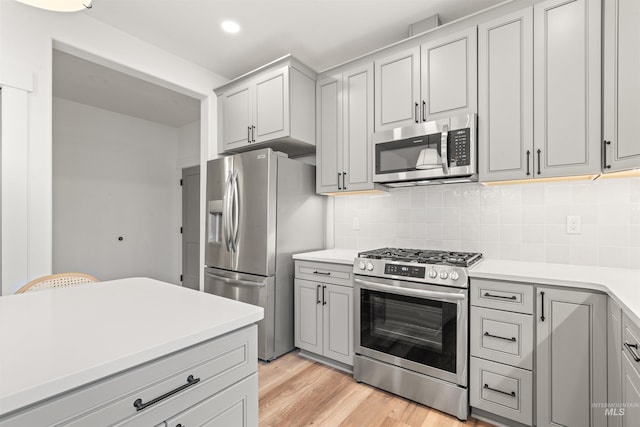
{"x":362,"y":265}
{"x":433,"y":274}
{"x":454,"y":275}
{"x":369,"y":266}
{"x":444,"y":275}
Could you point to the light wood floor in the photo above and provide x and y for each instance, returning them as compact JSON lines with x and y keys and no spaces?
{"x":295,"y":391}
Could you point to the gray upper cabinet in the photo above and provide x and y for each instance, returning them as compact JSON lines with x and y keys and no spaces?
{"x":505,"y":90}
{"x":344,"y":126}
{"x":567,"y":100}
{"x":427,"y":82}
{"x":571,"y":358}
{"x":273,"y":106}
{"x":620,"y":85}
{"x":554,"y":130}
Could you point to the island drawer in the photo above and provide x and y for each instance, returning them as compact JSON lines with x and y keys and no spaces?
{"x":502,"y":390}
{"x":183,"y":378}
{"x":631,"y":341}
{"x":500,"y":295}
{"x":502,"y":337}
{"x":338,"y":274}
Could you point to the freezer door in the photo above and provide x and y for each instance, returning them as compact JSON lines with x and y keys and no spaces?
{"x":249,"y":289}
{"x":218,"y":224}
{"x":253,"y":212}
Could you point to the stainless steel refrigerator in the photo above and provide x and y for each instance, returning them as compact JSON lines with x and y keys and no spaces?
{"x":261,"y":209}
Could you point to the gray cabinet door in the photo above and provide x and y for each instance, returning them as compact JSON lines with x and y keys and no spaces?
{"x":357,"y":128}
{"x":308,"y":315}
{"x":505,"y":91}
{"x":397,"y":89}
{"x":271,"y":106}
{"x":567,"y":109}
{"x":630,"y":393}
{"x":449,"y":76}
{"x":329,"y":134}
{"x":571,"y":358}
{"x":620,"y":84}
{"x":236,"y":114}
{"x":338,"y":323}
{"x":614,"y":359}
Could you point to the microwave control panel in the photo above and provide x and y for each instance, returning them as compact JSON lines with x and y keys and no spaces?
{"x":459,"y":147}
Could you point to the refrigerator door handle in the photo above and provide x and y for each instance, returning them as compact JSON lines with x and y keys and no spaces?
{"x":236,"y":211}
{"x":236,"y":282}
{"x":226,"y":217}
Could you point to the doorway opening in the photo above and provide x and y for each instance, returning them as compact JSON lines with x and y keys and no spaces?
{"x":120,"y":145}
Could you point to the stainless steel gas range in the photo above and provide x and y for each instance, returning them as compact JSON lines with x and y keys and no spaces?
{"x":411,"y":324}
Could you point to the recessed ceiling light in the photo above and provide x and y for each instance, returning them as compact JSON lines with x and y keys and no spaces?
{"x":230,"y":27}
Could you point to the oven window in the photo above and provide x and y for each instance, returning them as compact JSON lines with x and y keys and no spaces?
{"x":416,"y":329}
{"x":402,"y":156}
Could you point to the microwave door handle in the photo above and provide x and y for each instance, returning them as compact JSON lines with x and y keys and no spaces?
{"x":420,"y":293}
{"x":443,"y":149}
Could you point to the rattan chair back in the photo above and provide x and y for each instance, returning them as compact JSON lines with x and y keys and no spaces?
{"x":55,"y":281}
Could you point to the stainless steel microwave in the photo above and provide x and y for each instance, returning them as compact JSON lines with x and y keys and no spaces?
{"x":427,"y":153}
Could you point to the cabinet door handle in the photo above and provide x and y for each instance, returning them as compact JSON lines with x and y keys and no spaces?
{"x":539,"y":153}
{"x":318,"y":294}
{"x":339,"y":175}
{"x":324,"y":301}
{"x":512,"y":394}
{"x":416,"y":113}
{"x":630,"y":348}
{"x":604,"y":154}
{"x":324,"y":273}
{"x":488,"y":295}
{"x":487,"y":334}
{"x":528,"y":162}
{"x":344,"y":180}
{"x":542,"y":306}
{"x":424,"y":111}
{"x":253,"y":134}
{"x":140,"y":406}
{"x":249,"y":134}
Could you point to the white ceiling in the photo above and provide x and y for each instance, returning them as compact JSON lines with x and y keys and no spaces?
{"x":88,"y":83}
{"x":321,"y":33}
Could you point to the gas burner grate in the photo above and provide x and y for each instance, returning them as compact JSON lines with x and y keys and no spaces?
{"x":423,"y":256}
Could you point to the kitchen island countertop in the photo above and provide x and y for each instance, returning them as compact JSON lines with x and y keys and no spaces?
{"x":56,"y":340}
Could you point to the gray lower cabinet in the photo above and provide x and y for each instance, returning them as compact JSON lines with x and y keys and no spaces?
{"x":501,"y":336}
{"x":630,"y":373}
{"x":205,"y":383}
{"x":571,"y":358}
{"x":614,"y":361}
{"x":324,"y":312}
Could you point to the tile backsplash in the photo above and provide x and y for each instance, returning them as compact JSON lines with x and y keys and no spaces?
{"x":515,"y":222}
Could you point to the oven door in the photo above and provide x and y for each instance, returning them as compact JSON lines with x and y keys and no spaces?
{"x":419,"y":327}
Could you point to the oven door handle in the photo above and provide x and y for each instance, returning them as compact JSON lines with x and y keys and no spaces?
{"x":420,"y":293}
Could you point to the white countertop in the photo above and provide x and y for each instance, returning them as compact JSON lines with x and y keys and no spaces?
{"x":335,"y":256}
{"x":623,"y":285}
{"x":55,"y":340}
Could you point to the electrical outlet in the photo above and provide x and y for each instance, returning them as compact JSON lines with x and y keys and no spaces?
{"x":356,"y":223}
{"x":574,"y":224}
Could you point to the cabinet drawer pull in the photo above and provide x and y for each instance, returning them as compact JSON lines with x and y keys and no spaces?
{"x":417,"y":113}
{"x":253,"y":134}
{"x":630,"y":349}
{"x":542,"y":306}
{"x":323,"y":273}
{"x":424,"y":111}
{"x":528,"y":162}
{"x":539,"y":159}
{"x":324,"y":301}
{"x":512,"y":394}
{"x":249,"y":134}
{"x":339,"y":175}
{"x":318,"y":294}
{"x":487,"y":334}
{"x":344,"y":180}
{"x":140,"y":406}
{"x":488,"y":295}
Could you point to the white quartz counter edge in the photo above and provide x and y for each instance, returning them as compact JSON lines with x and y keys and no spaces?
{"x":334,"y":256}
{"x":34,"y":375}
{"x":623,"y":285}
